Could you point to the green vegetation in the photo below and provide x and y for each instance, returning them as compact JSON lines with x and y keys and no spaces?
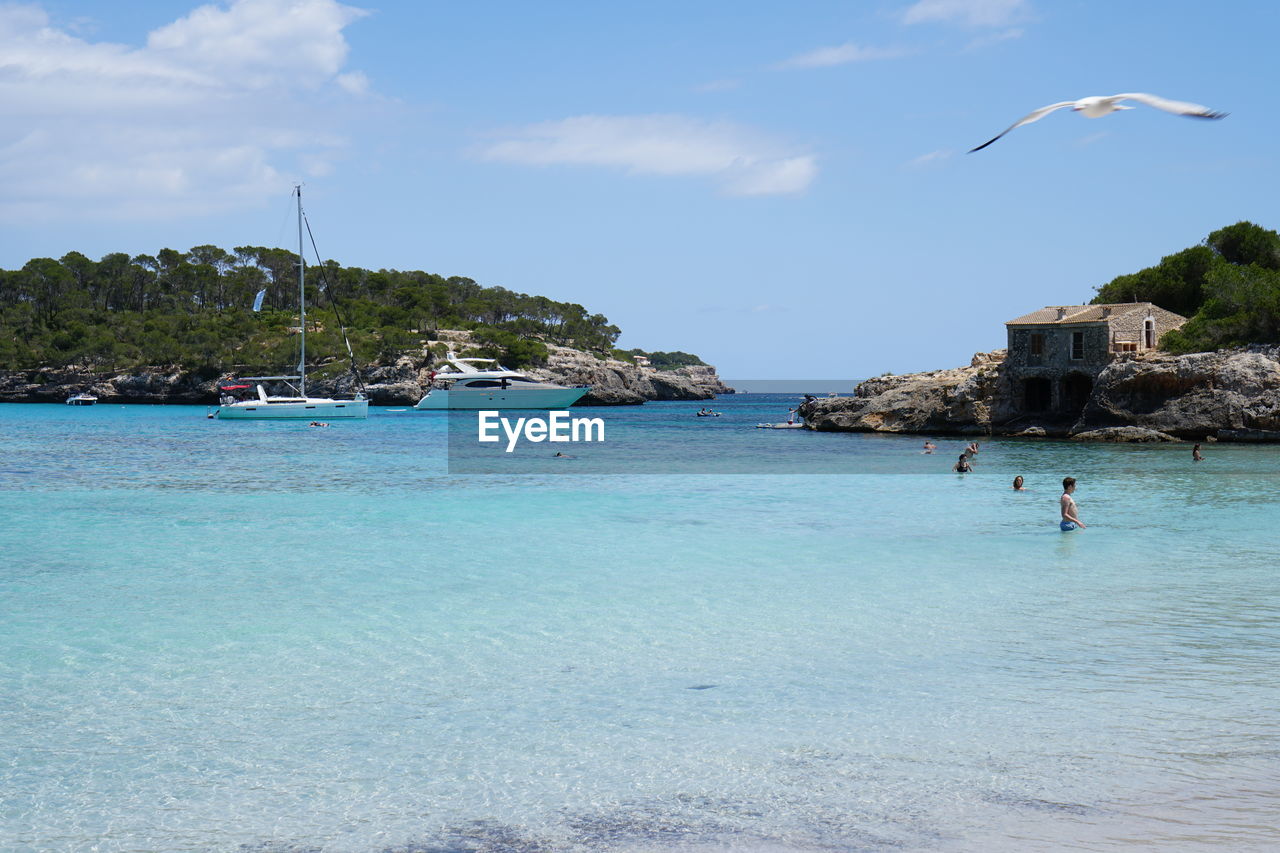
{"x":661,"y":360}
{"x":193,"y":310}
{"x":1228,"y":287}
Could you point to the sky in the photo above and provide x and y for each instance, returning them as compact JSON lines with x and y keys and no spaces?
{"x":781,"y":188}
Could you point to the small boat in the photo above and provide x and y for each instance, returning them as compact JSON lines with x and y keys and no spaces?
{"x":236,"y":405}
{"x":81,"y":399}
{"x":482,"y":383}
{"x":779,"y":426}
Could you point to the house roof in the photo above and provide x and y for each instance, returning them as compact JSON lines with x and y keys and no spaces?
{"x":1049,"y":316}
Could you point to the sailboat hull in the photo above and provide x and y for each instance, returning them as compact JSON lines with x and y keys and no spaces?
{"x":310,"y":409}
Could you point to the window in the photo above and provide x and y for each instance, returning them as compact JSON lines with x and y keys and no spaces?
{"x":1077,"y":346}
{"x":1036,"y":346}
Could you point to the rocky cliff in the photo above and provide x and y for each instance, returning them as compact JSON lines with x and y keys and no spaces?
{"x":1225,"y":394}
{"x":400,"y":383}
{"x":939,"y":401}
{"x":1231,"y":395}
{"x":614,"y":382}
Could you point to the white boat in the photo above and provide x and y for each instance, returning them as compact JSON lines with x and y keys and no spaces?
{"x":482,"y":383}
{"x":81,"y":399}
{"x":300,"y":407}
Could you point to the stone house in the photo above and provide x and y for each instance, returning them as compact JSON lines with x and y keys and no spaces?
{"x":1056,"y":353}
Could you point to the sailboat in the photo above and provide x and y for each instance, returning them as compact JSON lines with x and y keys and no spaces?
{"x":300,"y":407}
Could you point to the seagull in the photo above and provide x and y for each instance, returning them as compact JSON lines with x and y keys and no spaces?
{"x":1096,"y":106}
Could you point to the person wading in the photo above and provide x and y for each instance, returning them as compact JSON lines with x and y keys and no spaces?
{"x":1070,"y":516}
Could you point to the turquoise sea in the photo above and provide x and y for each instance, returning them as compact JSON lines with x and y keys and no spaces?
{"x":267,"y":637}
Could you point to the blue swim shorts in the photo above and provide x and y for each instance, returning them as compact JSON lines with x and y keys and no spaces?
{"x":1067,"y":526}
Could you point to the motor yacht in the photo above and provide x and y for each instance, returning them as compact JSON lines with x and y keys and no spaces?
{"x":483,"y":383}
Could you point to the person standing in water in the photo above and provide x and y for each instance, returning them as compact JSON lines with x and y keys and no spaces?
{"x":1070,"y":516}
{"x":963,"y":466}
{"x":1195,"y":454}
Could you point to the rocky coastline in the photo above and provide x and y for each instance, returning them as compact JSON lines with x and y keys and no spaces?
{"x":1228,"y":395}
{"x":400,"y":383}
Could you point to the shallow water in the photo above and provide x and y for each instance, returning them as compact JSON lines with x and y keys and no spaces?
{"x":266,"y":637}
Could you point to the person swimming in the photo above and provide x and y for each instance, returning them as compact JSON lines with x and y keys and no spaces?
{"x":1070,"y":515}
{"x":962,"y":466}
{"x":929,"y":446}
{"x":1017,"y":484}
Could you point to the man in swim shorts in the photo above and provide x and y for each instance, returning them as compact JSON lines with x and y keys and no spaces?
{"x":1070,"y":517}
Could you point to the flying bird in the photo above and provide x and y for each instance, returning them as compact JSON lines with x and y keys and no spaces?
{"x":1096,"y":106}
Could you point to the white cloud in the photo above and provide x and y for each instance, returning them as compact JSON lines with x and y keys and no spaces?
{"x":355,"y":82}
{"x":933,"y":158}
{"x":216,"y":111}
{"x":971,"y":13}
{"x":771,"y":177}
{"x":260,"y":42}
{"x":994,"y":38}
{"x":1092,"y":138}
{"x":825,"y":57}
{"x":741,"y":160}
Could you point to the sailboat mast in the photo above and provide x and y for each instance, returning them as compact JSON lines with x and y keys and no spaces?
{"x":302,"y":303}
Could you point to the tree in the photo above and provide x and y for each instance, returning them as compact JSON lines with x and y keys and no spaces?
{"x":1229,"y":287}
{"x":192,"y":309}
{"x":1246,"y":243}
{"x":1242,"y":307}
{"x":1175,"y":284}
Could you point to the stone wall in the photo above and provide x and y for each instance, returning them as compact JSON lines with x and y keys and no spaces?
{"x":1131,"y":325}
{"x":1056,"y":356}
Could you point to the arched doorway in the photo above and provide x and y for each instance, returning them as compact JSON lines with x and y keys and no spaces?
{"x":1037,"y":394}
{"x":1076,"y":389}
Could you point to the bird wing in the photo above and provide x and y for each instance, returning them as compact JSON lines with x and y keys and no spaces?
{"x":1027,"y":119}
{"x":1181,"y":108}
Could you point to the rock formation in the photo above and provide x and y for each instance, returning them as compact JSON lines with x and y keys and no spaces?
{"x":939,"y":401}
{"x":614,"y":382}
{"x":1231,"y":395}
{"x":1190,"y":396}
{"x":1123,"y":433}
{"x":401,"y":383}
